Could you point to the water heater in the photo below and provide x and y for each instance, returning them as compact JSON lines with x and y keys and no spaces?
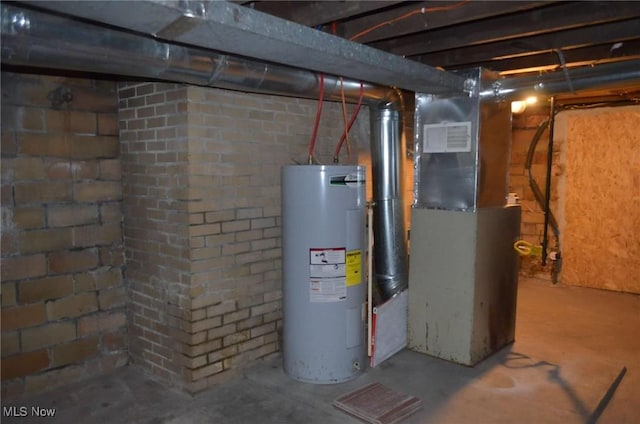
{"x":323,"y":255}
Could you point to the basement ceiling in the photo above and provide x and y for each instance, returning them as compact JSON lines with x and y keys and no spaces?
{"x":506,"y":36}
{"x":510,"y":37}
{"x":514,"y":38}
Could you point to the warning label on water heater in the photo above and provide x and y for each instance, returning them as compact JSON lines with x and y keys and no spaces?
{"x":327,"y":271}
{"x":354,"y":266}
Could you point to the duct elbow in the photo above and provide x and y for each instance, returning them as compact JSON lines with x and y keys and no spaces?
{"x":384,"y":98}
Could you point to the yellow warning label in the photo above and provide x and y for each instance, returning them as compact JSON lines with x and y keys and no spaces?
{"x":354,"y":267}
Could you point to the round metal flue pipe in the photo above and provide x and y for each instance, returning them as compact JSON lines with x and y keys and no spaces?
{"x":390,"y":236}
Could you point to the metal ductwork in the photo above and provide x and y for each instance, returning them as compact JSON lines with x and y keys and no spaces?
{"x":41,"y":40}
{"x":618,"y":75}
{"x":227,"y":27}
{"x":390,"y":236}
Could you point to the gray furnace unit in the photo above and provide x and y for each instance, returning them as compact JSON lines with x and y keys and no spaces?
{"x":463,"y":270}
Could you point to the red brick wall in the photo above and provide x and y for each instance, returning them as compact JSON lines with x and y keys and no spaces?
{"x":63,"y":297}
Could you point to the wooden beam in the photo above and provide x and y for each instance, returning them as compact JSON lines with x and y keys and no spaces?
{"x":551,"y":59}
{"x":436,"y":15}
{"x":592,"y":54}
{"x":548,"y":19}
{"x":312,"y":13}
{"x":537,"y":44}
{"x":615,"y":96}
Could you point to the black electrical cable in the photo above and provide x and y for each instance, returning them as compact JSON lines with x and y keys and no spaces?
{"x":543,"y":200}
{"x":535,"y":188}
{"x":547,"y":188}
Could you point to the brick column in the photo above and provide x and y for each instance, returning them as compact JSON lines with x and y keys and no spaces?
{"x":202,"y":221}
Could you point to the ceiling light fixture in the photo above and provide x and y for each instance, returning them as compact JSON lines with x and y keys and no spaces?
{"x":519,"y":106}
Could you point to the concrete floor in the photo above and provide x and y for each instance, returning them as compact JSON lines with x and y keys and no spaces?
{"x":571,"y":346}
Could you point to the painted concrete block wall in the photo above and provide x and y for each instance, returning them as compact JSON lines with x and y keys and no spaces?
{"x":217,"y":293}
{"x":63,"y":296}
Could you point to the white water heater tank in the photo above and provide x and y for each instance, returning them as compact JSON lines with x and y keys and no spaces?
{"x":324,"y":286}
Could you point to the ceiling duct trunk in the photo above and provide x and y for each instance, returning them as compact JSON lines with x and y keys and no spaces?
{"x":42,"y":40}
{"x":46,"y":41}
{"x":227,"y":27}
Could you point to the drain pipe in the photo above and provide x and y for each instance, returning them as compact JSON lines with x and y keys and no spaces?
{"x":35,"y":39}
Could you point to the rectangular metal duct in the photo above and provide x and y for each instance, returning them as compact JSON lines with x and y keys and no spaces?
{"x":33,"y":38}
{"x":227,"y":27}
{"x":462,"y":149}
